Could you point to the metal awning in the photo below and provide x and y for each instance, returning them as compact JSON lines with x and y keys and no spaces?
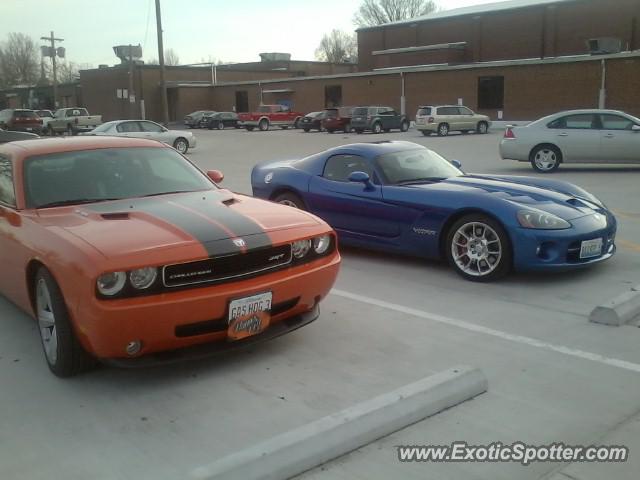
{"x":280,"y":90}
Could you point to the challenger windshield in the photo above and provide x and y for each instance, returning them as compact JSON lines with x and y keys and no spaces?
{"x":89,"y":176}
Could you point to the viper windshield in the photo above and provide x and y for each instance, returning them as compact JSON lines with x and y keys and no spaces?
{"x":87,"y":176}
{"x":415,"y":166}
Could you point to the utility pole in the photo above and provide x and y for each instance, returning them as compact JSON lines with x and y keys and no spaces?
{"x":131,"y":95}
{"x":53,"y":53}
{"x":163,"y":83}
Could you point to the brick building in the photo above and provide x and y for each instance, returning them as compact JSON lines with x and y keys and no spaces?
{"x":515,"y":60}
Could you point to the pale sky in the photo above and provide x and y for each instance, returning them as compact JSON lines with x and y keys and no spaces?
{"x":229,"y":30}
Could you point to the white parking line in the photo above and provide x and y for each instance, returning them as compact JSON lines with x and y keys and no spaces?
{"x":532,"y":342}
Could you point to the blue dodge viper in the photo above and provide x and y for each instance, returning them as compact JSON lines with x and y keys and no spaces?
{"x":402,"y":197}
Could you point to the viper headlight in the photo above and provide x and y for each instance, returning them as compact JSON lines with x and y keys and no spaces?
{"x":300,"y":248}
{"x":321,"y":244}
{"x":532,"y":218}
{"x":110,"y":284}
{"x":143,"y":278}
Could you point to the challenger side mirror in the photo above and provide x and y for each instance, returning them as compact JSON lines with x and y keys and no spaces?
{"x":456,"y":163}
{"x":361,"y":177}
{"x":216,"y":175}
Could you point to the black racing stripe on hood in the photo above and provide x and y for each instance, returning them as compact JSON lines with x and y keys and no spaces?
{"x":200,"y":215}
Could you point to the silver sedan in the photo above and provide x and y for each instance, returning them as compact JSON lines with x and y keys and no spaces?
{"x":178,"y":139}
{"x":577,"y":136}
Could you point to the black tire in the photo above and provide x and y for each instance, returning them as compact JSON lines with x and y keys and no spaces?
{"x":70,"y":358}
{"x":404,"y":126}
{"x":376,"y":127}
{"x":181,"y":145}
{"x":220,"y":126}
{"x":359,"y":131}
{"x":249,"y":129}
{"x":545,"y":158}
{"x":263,"y":125}
{"x":306,"y":130}
{"x":426,"y":133}
{"x":443,"y":129}
{"x":290,"y":199}
{"x":496,"y":266}
{"x":483,"y":128}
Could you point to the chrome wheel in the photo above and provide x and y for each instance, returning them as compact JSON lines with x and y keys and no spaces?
{"x":181,"y":145}
{"x":443,"y":130}
{"x":46,"y":321}
{"x":476,"y":249}
{"x":483,"y":128}
{"x":288,"y":203}
{"x":545,"y":159}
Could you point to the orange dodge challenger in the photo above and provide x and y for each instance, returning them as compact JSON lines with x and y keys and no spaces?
{"x":127,"y":253}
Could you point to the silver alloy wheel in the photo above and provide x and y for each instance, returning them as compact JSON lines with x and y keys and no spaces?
{"x":288,"y":203}
{"x":181,"y":145}
{"x":377,"y":128}
{"x":482,"y":128}
{"x":476,"y":249}
{"x":443,"y":130}
{"x":46,"y":321}
{"x":220,"y":126}
{"x":545,"y":159}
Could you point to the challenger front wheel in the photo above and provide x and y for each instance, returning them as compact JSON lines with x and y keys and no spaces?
{"x":64,"y":354}
{"x":291,"y":200}
{"x":478,"y":248}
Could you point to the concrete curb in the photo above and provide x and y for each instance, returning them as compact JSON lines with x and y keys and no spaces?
{"x":315,"y":443}
{"x":619,"y":311}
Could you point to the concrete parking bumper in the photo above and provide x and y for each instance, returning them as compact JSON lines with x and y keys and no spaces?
{"x":318,"y":442}
{"x":619,"y":311}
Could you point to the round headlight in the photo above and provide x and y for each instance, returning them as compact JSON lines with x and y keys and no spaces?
{"x":300,"y":248}
{"x":321,"y":244}
{"x":143,"y":277}
{"x":110,"y":284}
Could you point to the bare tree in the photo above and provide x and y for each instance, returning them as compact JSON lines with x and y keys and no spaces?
{"x":171,"y":57}
{"x":68,"y":72}
{"x":337,"y":47}
{"x":19,"y":62}
{"x":378,"y":12}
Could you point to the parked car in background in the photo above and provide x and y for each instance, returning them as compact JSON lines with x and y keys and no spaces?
{"x":403,"y":198}
{"x":221,"y":120}
{"x":9,"y":136}
{"x":193,"y":119}
{"x":46,"y":116}
{"x":312,"y":121}
{"x":576,"y":136}
{"x":378,"y":120}
{"x":125,"y":252}
{"x":270,"y":115}
{"x":178,"y":139}
{"x":20,"y":120}
{"x":338,"y":119}
{"x":450,"y":118}
{"x":73,"y":121}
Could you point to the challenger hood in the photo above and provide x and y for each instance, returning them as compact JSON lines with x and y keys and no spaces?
{"x":212,"y":219}
{"x":562,"y":199}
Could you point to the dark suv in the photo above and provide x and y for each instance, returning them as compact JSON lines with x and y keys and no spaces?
{"x":378,"y":119}
{"x":20,"y":120}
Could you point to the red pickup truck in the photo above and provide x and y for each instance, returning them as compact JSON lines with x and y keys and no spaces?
{"x":268,"y":115}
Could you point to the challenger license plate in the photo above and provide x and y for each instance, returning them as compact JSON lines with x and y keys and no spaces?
{"x":249,"y":316}
{"x":591,"y":248}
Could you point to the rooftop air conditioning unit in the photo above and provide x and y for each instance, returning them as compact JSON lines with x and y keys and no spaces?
{"x":604,"y":45}
{"x":275,"y":57}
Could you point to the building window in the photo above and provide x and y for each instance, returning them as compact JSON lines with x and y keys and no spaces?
{"x":490,"y":93}
{"x":333,"y":96}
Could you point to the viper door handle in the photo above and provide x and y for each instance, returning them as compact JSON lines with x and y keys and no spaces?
{"x":563,"y":135}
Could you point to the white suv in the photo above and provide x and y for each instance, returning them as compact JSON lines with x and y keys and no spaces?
{"x":449,"y":118}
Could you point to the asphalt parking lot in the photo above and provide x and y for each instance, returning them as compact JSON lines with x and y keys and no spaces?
{"x":553,"y":376}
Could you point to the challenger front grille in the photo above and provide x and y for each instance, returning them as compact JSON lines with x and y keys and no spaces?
{"x":218,"y":269}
